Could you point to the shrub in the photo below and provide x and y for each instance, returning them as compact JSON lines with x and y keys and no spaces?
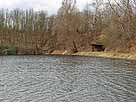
{"x":8,"y":49}
{"x":12,"y":50}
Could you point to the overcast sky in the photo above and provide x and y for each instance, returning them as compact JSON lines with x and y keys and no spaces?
{"x":50,"y":5}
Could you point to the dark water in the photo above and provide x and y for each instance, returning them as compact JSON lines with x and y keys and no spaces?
{"x":66,"y":79}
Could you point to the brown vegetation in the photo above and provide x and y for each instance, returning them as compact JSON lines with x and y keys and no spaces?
{"x":110,"y":23}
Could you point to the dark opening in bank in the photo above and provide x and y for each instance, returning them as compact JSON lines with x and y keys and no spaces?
{"x":98,"y":47}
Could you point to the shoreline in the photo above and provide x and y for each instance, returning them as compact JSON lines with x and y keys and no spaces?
{"x":113,"y":55}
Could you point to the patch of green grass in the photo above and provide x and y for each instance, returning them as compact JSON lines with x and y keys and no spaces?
{"x":3,"y":47}
{"x":8,"y":49}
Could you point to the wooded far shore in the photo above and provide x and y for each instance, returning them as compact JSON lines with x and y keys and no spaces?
{"x":103,"y":28}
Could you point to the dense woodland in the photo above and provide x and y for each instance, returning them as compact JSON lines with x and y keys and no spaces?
{"x":110,"y":22}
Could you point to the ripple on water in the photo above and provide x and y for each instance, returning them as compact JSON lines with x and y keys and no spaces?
{"x":66,"y":79}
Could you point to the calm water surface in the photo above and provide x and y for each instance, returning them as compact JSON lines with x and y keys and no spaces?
{"x":66,"y":79}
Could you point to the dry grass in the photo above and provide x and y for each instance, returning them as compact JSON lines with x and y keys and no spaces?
{"x":128,"y":56}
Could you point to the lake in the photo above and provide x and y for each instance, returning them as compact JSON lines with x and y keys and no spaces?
{"x":66,"y":79}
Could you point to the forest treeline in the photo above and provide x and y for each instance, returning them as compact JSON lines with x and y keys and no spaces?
{"x":111,"y":23}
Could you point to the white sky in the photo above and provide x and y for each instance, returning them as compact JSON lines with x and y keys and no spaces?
{"x":50,"y":5}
